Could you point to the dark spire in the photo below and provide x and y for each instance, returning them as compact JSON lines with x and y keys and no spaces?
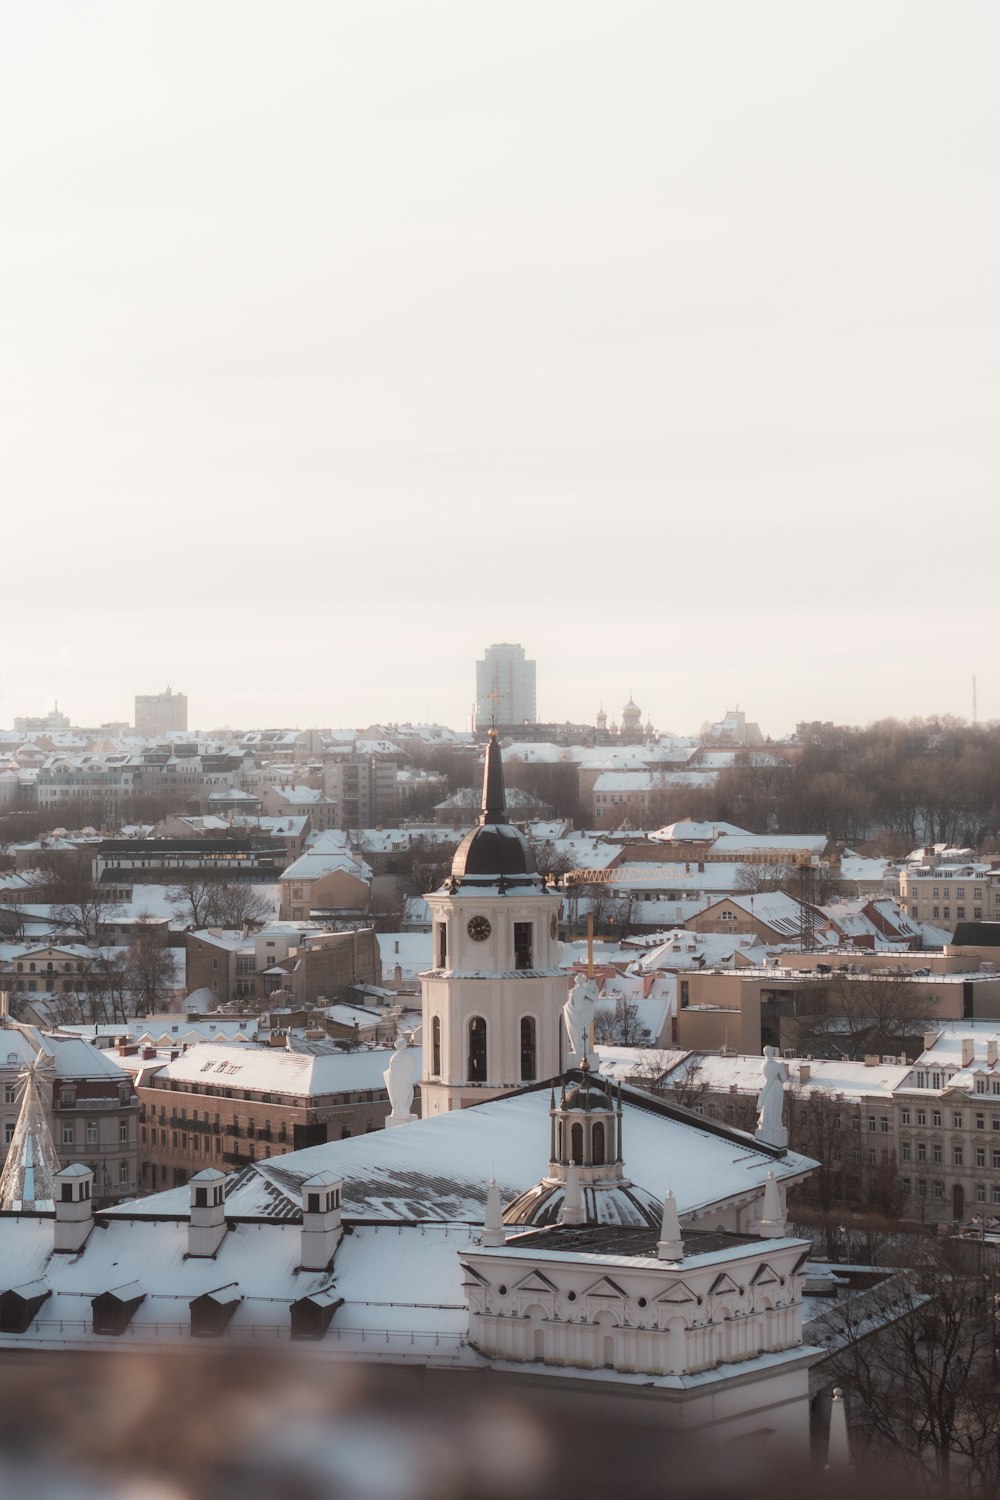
{"x":494,"y":808}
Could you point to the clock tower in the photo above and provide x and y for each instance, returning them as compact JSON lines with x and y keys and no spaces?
{"x":492,"y":1002}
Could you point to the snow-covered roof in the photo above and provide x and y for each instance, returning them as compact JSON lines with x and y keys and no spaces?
{"x":688,"y":830}
{"x":438,"y":1170}
{"x":272,"y":1070}
{"x":313,"y":865}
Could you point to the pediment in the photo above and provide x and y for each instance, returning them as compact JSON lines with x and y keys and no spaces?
{"x":475,"y":1275}
{"x":765,"y":1275}
{"x":605,"y":1287}
{"x":678,"y":1294}
{"x":722,"y":1285}
{"x":534,"y":1282}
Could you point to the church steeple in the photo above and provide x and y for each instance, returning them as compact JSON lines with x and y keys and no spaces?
{"x":494,"y":808}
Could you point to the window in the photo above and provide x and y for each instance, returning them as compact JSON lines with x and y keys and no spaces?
{"x":957,"y":1156}
{"x":597,"y":1147}
{"x":921,"y":1151}
{"x":935,"y":911}
{"x":442,"y":945}
{"x":8,"y":1130}
{"x":960,"y":911}
{"x":939,"y":1190}
{"x":980,"y":1192}
{"x":905,"y":1116}
{"x":576,"y":1144}
{"x":436,"y":1047}
{"x":956,"y":1121}
{"x":905,"y":1151}
{"x":527,"y":1049}
{"x":980,"y":1156}
{"x":477,"y":1050}
{"x":996,"y":1161}
{"x":936,"y":1113}
{"x":122,"y":1172}
{"x":871,"y":1123}
{"x":995,"y":1195}
{"x":980,"y":1122}
{"x":91,"y":1132}
{"x":936,"y":1152}
{"x":522,"y":945}
{"x":10,"y":1093}
{"x":921,"y":1117}
{"x":883,"y":1125}
{"x":123,"y":1132}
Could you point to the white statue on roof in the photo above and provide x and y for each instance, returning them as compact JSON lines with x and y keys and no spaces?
{"x":399,"y":1082}
{"x":578,"y":1018}
{"x":771,"y":1100}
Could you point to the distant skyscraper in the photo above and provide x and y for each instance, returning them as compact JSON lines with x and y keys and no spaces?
{"x":505,"y":686}
{"x":160,"y":713}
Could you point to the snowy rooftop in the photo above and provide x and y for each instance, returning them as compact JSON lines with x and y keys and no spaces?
{"x":271,"y":1070}
{"x":438,"y":1170}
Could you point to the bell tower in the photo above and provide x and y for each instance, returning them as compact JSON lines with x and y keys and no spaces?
{"x":492,"y":1002}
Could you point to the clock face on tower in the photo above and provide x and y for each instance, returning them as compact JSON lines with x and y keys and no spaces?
{"x":479,"y":929}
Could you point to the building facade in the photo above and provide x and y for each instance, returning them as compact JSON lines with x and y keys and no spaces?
{"x":505,"y":687}
{"x":160,"y":713}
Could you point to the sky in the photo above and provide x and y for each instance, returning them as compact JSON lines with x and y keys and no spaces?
{"x":339,"y":341}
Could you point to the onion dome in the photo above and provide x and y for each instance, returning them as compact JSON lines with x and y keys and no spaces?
{"x":494,"y":851}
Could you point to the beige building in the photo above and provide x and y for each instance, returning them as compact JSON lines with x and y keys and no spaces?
{"x":227,"y":1106}
{"x":160,"y":713}
{"x":328,"y":881}
{"x":945,"y":893}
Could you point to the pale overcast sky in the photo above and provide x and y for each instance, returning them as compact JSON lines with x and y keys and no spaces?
{"x":340,"y":340}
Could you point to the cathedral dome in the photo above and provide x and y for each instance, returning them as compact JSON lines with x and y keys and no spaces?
{"x":494,"y":850}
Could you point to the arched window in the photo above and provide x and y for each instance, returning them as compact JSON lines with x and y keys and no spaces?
{"x":436,"y":1047}
{"x":576,"y":1144}
{"x":528,"y":1073}
{"x":597,"y":1143}
{"x":477,"y":1050}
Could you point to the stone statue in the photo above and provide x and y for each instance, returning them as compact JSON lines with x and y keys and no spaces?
{"x":771,"y":1100}
{"x":578,"y":1015}
{"x":399,"y":1082}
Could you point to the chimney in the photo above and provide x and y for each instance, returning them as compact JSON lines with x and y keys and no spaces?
{"x":74,"y":1208}
{"x":930,"y":1037}
{"x":321,"y":1220}
{"x":804,"y":1072}
{"x":968,"y":1051}
{"x":991,"y":1050}
{"x":207,"y":1227}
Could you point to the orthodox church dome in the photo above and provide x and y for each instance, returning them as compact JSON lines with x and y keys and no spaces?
{"x":494,"y":850}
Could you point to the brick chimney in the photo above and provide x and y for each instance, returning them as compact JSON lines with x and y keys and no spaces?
{"x":968,"y":1051}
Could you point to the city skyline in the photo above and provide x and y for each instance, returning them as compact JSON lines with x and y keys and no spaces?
{"x":664,"y":344}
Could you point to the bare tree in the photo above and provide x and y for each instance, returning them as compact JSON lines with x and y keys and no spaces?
{"x":922,"y":1384}
{"x":758,"y":876}
{"x":855,"y":1015}
{"x":621,"y":1027}
{"x":149,"y":977}
{"x":191,"y":899}
{"x":85,"y":913}
{"x":238,"y":906}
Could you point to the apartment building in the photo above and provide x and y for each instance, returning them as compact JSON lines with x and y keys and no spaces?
{"x":303,"y":961}
{"x":227,"y":1106}
{"x":505,"y":687}
{"x":361,"y":781}
{"x":950,"y":891}
{"x":160,"y":713}
{"x":932,"y":1124}
{"x":90,"y":1102}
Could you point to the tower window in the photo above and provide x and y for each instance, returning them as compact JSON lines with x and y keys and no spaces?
{"x":477,"y":1050}
{"x":442,"y":945}
{"x":528,"y":1072}
{"x":576,"y":1145}
{"x":522,"y":945}
{"x":597,"y":1143}
{"x":436,"y":1047}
